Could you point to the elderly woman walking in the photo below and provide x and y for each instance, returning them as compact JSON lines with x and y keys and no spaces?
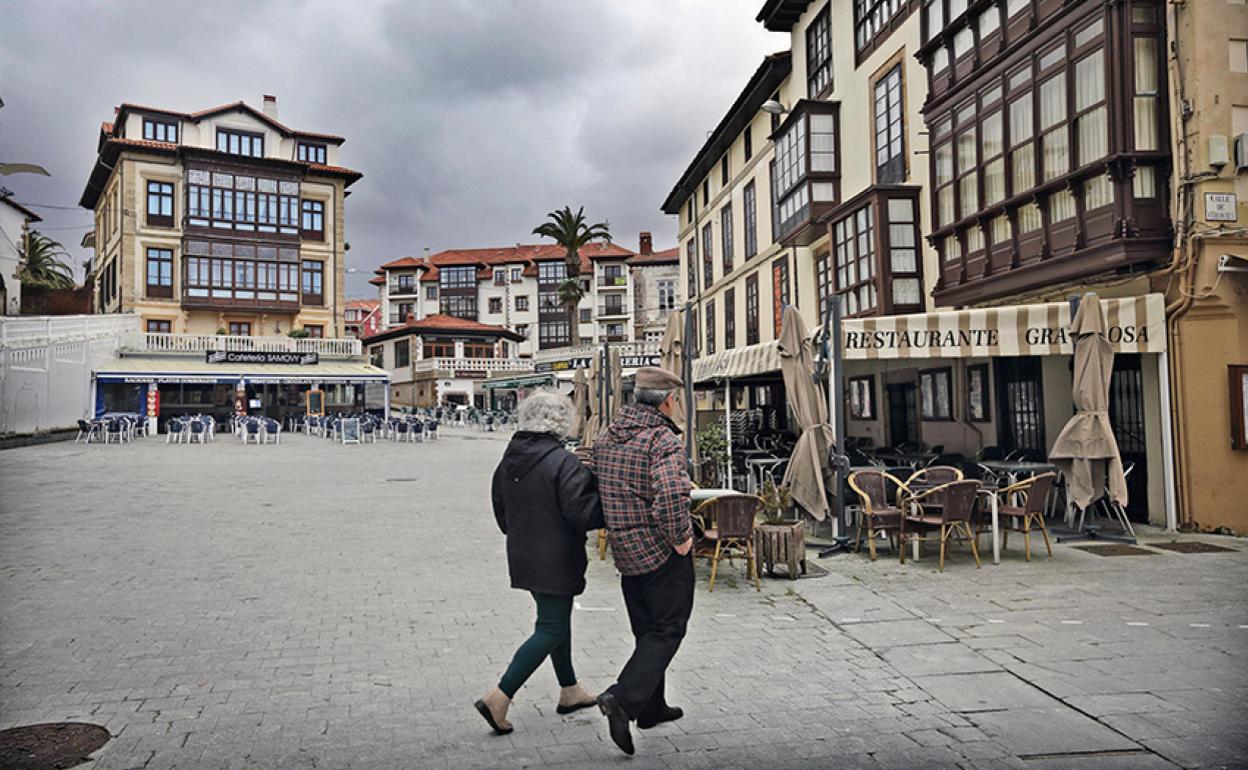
{"x":545,"y":501}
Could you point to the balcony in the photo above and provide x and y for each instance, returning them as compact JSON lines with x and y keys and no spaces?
{"x":613,"y":281}
{"x":197,"y":298}
{"x":403,"y":289}
{"x":150,"y":342}
{"x":612,"y":310}
{"x":475,"y":368}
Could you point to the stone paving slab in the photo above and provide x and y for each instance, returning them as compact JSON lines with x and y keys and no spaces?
{"x":296,"y":606}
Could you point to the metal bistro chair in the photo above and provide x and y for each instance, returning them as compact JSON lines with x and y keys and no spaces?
{"x":880,"y":514}
{"x":1021,"y":518}
{"x":956,"y":508}
{"x":87,"y":430}
{"x":728,"y":522}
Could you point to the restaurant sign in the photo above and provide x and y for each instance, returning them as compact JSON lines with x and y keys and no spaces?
{"x":261,"y":357}
{"x":570,"y":364}
{"x":1133,"y":325}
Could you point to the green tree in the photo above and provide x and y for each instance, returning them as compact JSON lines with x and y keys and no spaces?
{"x":44,"y":263}
{"x":572,"y":232}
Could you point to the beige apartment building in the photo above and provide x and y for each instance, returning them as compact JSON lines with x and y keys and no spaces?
{"x":1206,"y":285}
{"x":223,"y":221}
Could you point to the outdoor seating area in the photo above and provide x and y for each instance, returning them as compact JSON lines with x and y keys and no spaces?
{"x":113,"y":427}
{"x":190,"y":429}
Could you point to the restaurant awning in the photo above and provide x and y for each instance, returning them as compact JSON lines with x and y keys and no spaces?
{"x":736,"y":363}
{"x":1135,"y":325}
{"x":158,"y":369}
{"x":523,"y":381}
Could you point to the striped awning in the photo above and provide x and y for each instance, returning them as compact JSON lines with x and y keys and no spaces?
{"x":1134,"y":325}
{"x":738,"y":362}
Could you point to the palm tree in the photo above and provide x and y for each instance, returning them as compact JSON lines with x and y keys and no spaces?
{"x":572,"y":233}
{"x":43,"y":263}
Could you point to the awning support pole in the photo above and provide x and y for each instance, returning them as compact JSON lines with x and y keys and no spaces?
{"x":687,"y":354}
{"x":728,"y":425}
{"x":1167,"y":443}
{"x":836,"y":397}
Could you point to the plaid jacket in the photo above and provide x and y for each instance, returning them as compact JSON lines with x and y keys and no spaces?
{"x":644,"y":485}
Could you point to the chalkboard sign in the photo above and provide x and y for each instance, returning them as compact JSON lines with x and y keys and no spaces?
{"x":316,"y":403}
{"x":351,"y":430}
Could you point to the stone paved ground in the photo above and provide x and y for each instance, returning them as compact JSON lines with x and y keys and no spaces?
{"x":312,"y":605}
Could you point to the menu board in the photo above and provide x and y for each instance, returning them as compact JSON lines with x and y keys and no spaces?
{"x":315,"y":402}
{"x":351,"y":430}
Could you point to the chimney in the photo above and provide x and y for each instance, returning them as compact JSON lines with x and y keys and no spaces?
{"x":270,"y":106}
{"x":647,"y":243}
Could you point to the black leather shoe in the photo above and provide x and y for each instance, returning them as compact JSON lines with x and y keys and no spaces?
{"x":669,"y":714}
{"x":618,"y":722}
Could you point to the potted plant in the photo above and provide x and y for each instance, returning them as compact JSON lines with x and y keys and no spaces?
{"x":298,"y":334}
{"x":712,"y":448}
{"x":777,"y":501}
{"x":779,"y":540}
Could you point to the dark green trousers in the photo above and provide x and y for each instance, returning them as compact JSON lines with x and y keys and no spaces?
{"x":552,"y":637}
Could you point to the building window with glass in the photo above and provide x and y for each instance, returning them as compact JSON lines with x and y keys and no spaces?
{"x":967,"y":162}
{"x":553,"y":333}
{"x":402,"y":353}
{"x":1054,"y":137}
{"x":853,"y":243}
{"x":666,"y":289}
{"x":377,"y":356}
{"x":496,"y":305}
{"x":315,"y":331}
{"x":730,"y":319}
{"x":800,"y":193}
{"x":458,"y":277}
{"x":819,"y":55}
{"x":159,"y":204}
{"x":752,"y":311}
{"x":691,"y":265}
{"x":459,"y":306}
{"x":750,"y":209}
{"x":158,"y":326}
{"x":781,"y":292}
{"x":160,"y":130}
{"x":874,"y":20}
{"x":890,"y":159}
{"x":240,"y":143}
{"x":725,"y":233}
{"x":313,"y":283}
{"x":554,"y":271}
{"x":160,"y":273}
{"x":708,"y":255}
{"x":747,"y":142}
{"x":522,"y":303}
{"x":710,"y":327}
{"x":310,"y":152}
{"x":240,"y":328}
{"x":312,"y":223}
{"x":1091,"y":112}
{"x":431,"y":292}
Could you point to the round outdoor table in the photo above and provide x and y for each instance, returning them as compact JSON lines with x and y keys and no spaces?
{"x":710,"y":493}
{"x":758,"y":465}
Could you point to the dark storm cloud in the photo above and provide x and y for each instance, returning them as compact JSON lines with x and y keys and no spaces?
{"x":470,"y":120}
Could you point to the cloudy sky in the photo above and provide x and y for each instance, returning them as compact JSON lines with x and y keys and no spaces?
{"x":470,"y":119}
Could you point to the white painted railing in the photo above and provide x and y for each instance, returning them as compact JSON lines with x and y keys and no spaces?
{"x":634,"y":348}
{"x":148,"y":342}
{"x":500,"y":365}
{"x":22,"y":331}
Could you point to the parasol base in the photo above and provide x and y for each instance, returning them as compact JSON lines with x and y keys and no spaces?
{"x":1092,"y":532}
{"x":839,"y":545}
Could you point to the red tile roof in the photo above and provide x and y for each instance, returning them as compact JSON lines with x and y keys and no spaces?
{"x":525,"y":254}
{"x":378,"y":281}
{"x":440,"y":323}
{"x":363,"y":304}
{"x":401,"y":262}
{"x":666,"y":257}
{"x":239,"y":105}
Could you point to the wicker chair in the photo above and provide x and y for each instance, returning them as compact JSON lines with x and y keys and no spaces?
{"x":1021,"y":518}
{"x":880,"y":512}
{"x":728,"y":523}
{"x":956,"y":508}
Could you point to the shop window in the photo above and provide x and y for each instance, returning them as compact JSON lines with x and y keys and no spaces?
{"x":936,"y":394}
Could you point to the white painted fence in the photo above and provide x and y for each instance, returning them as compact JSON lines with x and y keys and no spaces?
{"x":47,"y":386}
{"x":147,"y":342}
{"x":25,"y":331}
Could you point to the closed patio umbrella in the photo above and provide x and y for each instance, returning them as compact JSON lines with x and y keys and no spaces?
{"x":1086,"y":451}
{"x":617,"y":386}
{"x":805,"y":474}
{"x":672,"y":359}
{"x":594,"y":422}
{"x":580,"y":402}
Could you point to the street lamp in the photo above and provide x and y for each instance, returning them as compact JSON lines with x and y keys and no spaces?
{"x":773,"y":107}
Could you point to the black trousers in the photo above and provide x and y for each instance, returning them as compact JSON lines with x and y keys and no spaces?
{"x":659,"y":605}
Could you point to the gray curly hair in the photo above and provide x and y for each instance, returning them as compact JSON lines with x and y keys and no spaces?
{"x":545,"y":411}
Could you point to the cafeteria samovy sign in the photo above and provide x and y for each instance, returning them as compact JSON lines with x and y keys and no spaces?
{"x":261,"y":357}
{"x":1133,"y":325}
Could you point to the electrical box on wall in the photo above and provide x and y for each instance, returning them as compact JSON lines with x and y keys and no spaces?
{"x":1219,"y":155}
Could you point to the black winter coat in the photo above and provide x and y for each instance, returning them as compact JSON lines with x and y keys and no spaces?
{"x":545,"y":501}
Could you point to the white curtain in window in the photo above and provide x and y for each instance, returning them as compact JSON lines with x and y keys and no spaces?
{"x":953,"y":249}
{"x":994,"y":181}
{"x":1023,"y":161}
{"x":1097,"y":192}
{"x":991,"y":127}
{"x":1029,"y":218}
{"x":906,"y":291}
{"x":1056,"y":153}
{"x":1061,"y":206}
{"x":1000,"y":230}
{"x":1144,"y":183}
{"x":944,"y":205}
{"x":1093,"y":135}
{"x":1146,"y":93}
{"x":1053,"y":101}
{"x":974,"y":240}
{"x":970,"y":194}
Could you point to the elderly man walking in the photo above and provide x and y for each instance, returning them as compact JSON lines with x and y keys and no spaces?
{"x":643,"y":480}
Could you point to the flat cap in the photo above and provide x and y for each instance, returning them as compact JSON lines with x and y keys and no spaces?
{"x":654,"y":378}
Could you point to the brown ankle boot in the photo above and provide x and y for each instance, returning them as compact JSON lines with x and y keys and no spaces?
{"x":494,"y":708}
{"x":574,"y":698}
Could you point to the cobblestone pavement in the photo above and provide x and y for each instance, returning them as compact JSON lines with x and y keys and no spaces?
{"x":313,"y":605}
